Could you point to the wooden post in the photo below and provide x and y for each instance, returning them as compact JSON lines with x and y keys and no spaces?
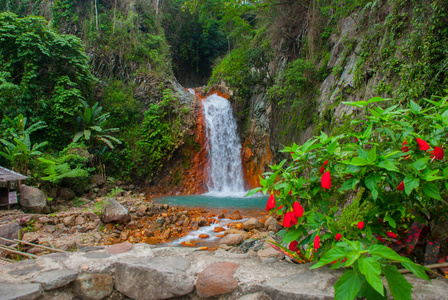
{"x":8,"y":185}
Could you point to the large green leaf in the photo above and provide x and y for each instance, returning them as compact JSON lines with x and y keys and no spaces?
{"x":292,"y":235}
{"x":410,"y":183}
{"x":348,"y":285}
{"x":388,"y":165}
{"x":371,"y":268}
{"x":385,"y":252}
{"x":399,"y":287}
{"x":431,"y":190}
{"x":331,"y":256}
{"x":418,"y":271}
{"x":358,"y":161}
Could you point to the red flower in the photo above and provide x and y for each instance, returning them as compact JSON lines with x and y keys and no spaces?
{"x":380,"y":238}
{"x":360,"y":225}
{"x":271,"y":203}
{"x":422,"y":144}
{"x":391,"y":234}
{"x":400,"y":186}
{"x":438,"y":153}
{"x":297,"y":209}
{"x":290,"y":193}
{"x":293,"y":219}
{"x":326,"y":180}
{"x":294,"y":246}
{"x":338,"y":236}
{"x":316,"y":242}
{"x":322,"y":169}
{"x":403,"y":147}
{"x":280,"y":207}
{"x":287,"y":220}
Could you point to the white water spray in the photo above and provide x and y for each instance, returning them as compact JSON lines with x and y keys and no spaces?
{"x":225,"y":168}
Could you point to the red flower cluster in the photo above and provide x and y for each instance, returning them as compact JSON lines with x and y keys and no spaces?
{"x":403,"y":147}
{"x":292,"y":216}
{"x":326,"y":180}
{"x":437,"y":153}
{"x":422,"y":144}
{"x":360,"y":225}
{"x":400,"y":186}
{"x":391,"y":234}
{"x":338,"y":236}
{"x":297,"y":209}
{"x":294,"y":246}
{"x":271,"y":203}
{"x":322,"y":169}
{"x":316,"y":242}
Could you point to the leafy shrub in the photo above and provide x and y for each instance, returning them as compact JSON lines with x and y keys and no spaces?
{"x":342,"y":194}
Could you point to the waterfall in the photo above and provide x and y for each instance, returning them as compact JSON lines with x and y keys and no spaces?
{"x":225,"y":167}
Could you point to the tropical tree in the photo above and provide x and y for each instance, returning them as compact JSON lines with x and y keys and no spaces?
{"x":20,"y":153}
{"x":91,"y":126}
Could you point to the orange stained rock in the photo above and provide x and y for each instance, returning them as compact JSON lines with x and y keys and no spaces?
{"x":204,"y":236}
{"x":218,"y":229}
{"x":189,"y":243}
{"x":220,"y":235}
{"x":203,"y":248}
{"x":255,"y":159}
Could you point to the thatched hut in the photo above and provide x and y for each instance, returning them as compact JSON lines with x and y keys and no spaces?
{"x":9,"y":184}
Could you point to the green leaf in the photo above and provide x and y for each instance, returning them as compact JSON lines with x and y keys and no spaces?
{"x":391,"y":221}
{"x":388,"y":165}
{"x":420,"y":164}
{"x":358,"y":161}
{"x":357,"y":103}
{"x":87,"y":134}
{"x":331,"y":256}
{"x":385,"y":252}
{"x":418,"y":271}
{"x":371,"y":268}
{"x":431,"y":190}
{"x":253,"y":191}
{"x":348,"y":285}
{"x":370,"y":182}
{"x":352,"y":256}
{"x":371,"y":156}
{"x":410,"y":183}
{"x":399,"y":287}
{"x":292,"y":235}
{"x":376,"y":99}
{"x":415,"y":107}
{"x":369,"y":293}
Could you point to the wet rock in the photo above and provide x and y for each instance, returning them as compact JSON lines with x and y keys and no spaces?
{"x":252,"y":223}
{"x":93,"y":286}
{"x":166,"y":235}
{"x":232,"y":239}
{"x":131,"y":225}
{"x":202,"y":222}
{"x":204,"y":236}
{"x":243,"y":233}
{"x":32,"y":199}
{"x":114,"y":212}
{"x":124,"y":236}
{"x":217,"y":279}
{"x":154,"y":278}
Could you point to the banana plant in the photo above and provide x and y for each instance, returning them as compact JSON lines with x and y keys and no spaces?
{"x":91,"y":125}
{"x":21,"y":153}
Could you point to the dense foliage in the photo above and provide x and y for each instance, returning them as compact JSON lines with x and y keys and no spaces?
{"x":342,"y":195}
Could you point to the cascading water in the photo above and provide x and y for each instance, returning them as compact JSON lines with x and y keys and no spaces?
{"x":225,"y":167}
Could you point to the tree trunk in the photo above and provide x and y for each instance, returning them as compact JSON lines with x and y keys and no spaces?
{"x":96,"y":16}
{"x":115,"y":9}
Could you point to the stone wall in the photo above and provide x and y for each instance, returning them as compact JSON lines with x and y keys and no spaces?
{"x":143,"y":272}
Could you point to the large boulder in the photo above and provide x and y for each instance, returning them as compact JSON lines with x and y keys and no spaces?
{"x":217,"y":279}
{"x":114,"y":212}
{"x":66,"y":194}
{"x":93,"y":286}
{"x":32,"y":199}
{"x":153,"y":278}
{"x":98,"y":180}
{"x":252,"y":223}
{"x":9,"y":231}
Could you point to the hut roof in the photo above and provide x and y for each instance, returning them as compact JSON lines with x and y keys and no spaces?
{"x":8,"y":175}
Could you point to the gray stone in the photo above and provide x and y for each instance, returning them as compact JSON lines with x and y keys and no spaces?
{"x":270,"y":253}
{"x":97,"y":255}
{"x":255,"y":296}
{"x":252,"y":223}
{"x":232,"y":239}
{"x":80,"y":220}
{"x":243,"y":233}
{"x":54,"y":279}
{"x":66,"y":194}
{"x":20,"y":291}
{"x":156,"y":278}
{"x":93,"y":286}
{"x":98,"y":180}
{"x":308,"y":285}
{"x":69,"y":221}
{"x":24,"y":268}
{"x":32,"y":198}
{"x":114,"y":212}
{"x":9,"y":231}
{"x":45,"y":220}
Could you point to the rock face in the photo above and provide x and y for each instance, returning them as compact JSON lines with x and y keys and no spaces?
{"x":114,"y":212}
{"x":217,"y":279}
{"x":157,"y":278}
{"x":32,"y":199}
{"x":16,"y":291}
